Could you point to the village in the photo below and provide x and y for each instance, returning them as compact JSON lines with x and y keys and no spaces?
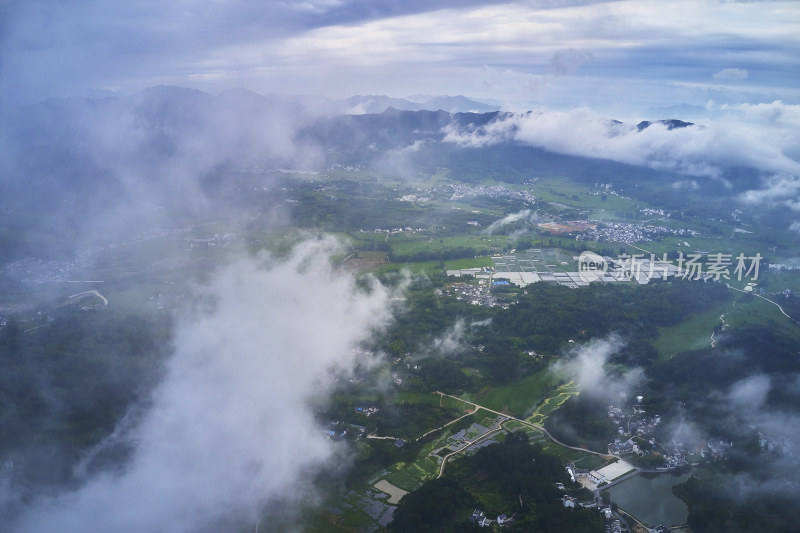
{"x":637,"y":439}
{"x":613,"y":522}
{"x":461,"y":190}
{"x":476,"y":294}
{"x":627,"y":232}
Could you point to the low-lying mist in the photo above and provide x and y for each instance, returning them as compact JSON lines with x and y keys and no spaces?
{"x":586,"y":364}
{"x":230,"y":428}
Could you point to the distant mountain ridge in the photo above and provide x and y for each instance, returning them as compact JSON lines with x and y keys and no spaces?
{"x":236,"y":124}
{"x":87,"y":137}
{"x":671,"y":124}
{"x":373,"y":104}
{"x":176,"y":146}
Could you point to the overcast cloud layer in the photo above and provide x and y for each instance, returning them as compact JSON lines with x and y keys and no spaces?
{"x":615,"y":57}
{"x":230,"y":428}
{"x":765,"y":137}
{"x":768,"y":131}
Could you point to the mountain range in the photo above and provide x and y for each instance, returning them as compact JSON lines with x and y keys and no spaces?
{"x":68,"y":160}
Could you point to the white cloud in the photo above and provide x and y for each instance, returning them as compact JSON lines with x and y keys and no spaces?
{"x":586,"y":364}
{"x":452,"y":340}
{"x":525,"y":216}
{"x":764,"y":137}
{"x":230,"y":427}
{"x":735,"y":74}
{"x":690,"y":185}
{"x":750,"y":393}
{"x":776,"y":189}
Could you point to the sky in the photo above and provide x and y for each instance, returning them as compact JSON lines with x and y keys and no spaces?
{"x":625,"y":57}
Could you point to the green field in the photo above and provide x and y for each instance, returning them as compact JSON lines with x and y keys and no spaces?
{"x":402,"y":245}
{"x":437,"y":266}
{"x":710,"y":245}
{"x":695,"y":332}
{"x":417,"y":267}
{"x":568,"y":455}
{"x":691,"y":334}
{"x":426,"y":398}
{"x":554,"y":400}
{"x":754,"y":310}
{"x":590,"y":462}
{"x":517,"y":398}
{"x":565,"y":191}
{"x":457,"y":264}
{"x":411,"y":475}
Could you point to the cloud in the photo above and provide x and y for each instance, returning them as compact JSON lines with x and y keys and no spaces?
{"x":681,"y":429}
{"x":728,"y":74}
{"x":525,"y":216}
{"x":750,"y":393}
{"x":748,"y":407}
{"x":567,"y":62}
{"x":452,"y":340}
{"x":587,"y":365}
{"x":783,"y":189}
{"x":144,"y":161}
{"x":230,"y":428}
{"x":583,"y":132}
{"x":758,"y":136}
{"x":439,"y":47}
{"x":690,"y":185}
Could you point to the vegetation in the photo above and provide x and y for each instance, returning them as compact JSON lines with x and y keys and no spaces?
{"x":68,"y":379}
{"x":582,"y":421}
{"x":513,"y":478}
{"x":70,"y":375}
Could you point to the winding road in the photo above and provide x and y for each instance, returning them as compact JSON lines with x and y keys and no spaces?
{"x":499,"y":428}
{"x":729,"y":286}
{"x":776,"y":304}
{"x":93,"y":292}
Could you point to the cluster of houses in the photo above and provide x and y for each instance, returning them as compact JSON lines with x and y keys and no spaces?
{"x":458,"y":440}
{"x":592,"y":475}
{"x":407,"y":229}
{"x":613,"y":523}
{"x":637,"y":436}
{"x":615,"y":526}
{"x":627,"y":232}
{"x":341,"y":432}
{"x":216,"y":240}
{"x":572,"y":501}
{"x":35,"y":271}
{"x":636,"y":430}
{"x":369,"y":411}
{"x":478,"y":517}
{"x":461,"y":190}
{"x":479,"y":294}
{"x":716,"y":448}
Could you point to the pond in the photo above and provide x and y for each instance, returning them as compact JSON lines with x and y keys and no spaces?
{"x":649,"y":498}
